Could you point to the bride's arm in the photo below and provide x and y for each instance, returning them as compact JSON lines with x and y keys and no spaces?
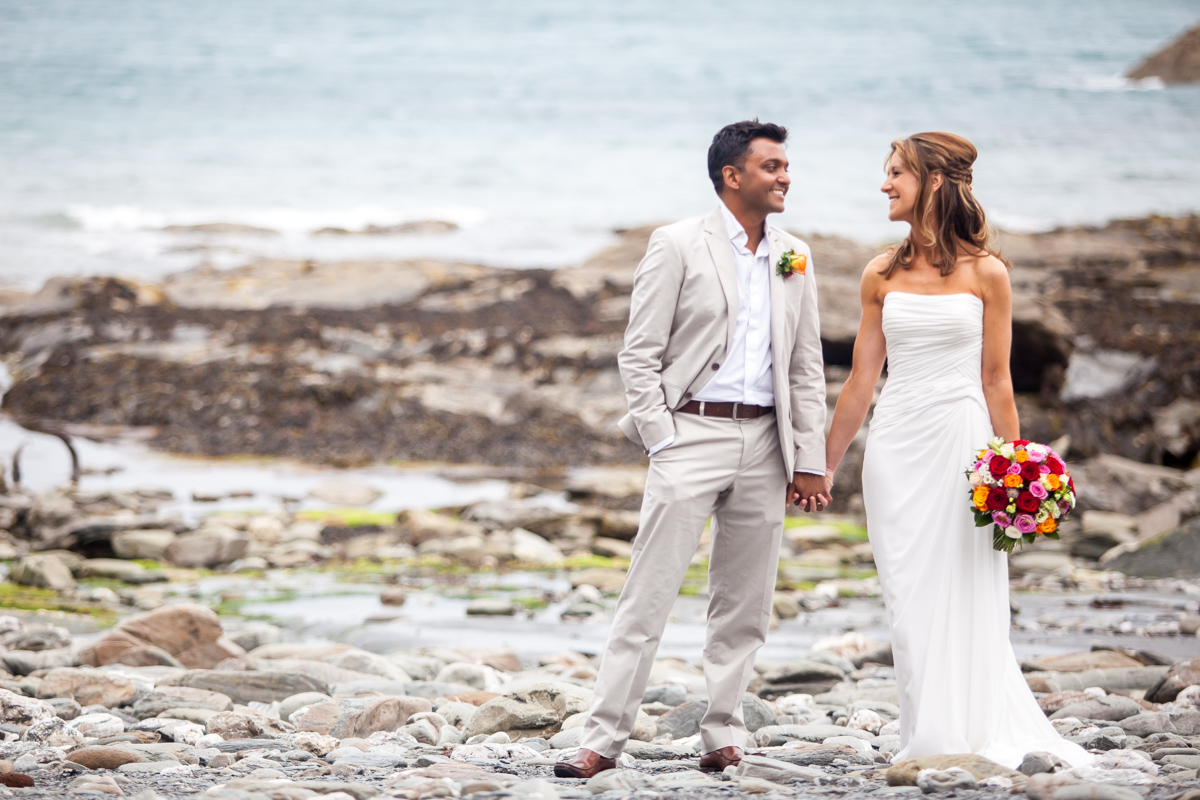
{"x":870,"y":350}
{"x":997,"y":344}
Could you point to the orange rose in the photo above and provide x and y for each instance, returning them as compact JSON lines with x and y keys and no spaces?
{"x":1021,"y":457}
{"x":1013,"y":481}
{"x":980,"y":496}
{"x":1049,"y":526}
{"x":1053,"y":481}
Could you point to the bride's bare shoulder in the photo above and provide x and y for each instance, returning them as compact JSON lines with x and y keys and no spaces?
{"x":991,"y":275}
{"x":871,"y":285}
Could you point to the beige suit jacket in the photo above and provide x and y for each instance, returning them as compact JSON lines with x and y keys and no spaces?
{"x":681,"y":324}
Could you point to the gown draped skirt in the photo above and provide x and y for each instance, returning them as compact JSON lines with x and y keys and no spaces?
{"x":945,"y":588}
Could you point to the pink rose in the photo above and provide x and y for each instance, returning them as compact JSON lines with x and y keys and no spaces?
{"x":1014,"y":469}
{"x":1025,"y":523}
{"x":1037,"y":490}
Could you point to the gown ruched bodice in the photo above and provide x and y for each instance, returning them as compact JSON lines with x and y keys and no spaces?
{"x":946,"y":590}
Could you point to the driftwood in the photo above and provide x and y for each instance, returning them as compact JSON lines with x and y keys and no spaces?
{"x":66,"y":440}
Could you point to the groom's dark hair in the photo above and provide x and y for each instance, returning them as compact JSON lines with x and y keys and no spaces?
{"x":731,"y":145}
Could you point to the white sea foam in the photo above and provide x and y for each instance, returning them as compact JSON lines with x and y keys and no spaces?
{"x":293,"y":221}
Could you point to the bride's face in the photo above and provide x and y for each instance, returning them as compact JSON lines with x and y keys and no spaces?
{"x":900,"y":185}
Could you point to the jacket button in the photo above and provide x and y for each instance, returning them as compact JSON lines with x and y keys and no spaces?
{"x":716,"y":367}
{"x":687,"y":395}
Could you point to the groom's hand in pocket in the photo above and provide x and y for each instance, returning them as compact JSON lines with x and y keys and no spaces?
{"x":809,"y":492}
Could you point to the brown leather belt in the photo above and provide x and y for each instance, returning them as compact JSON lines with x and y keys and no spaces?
{"x":725,"y":410}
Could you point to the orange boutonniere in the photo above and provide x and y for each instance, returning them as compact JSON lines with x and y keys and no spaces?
{"x":790,"y":263}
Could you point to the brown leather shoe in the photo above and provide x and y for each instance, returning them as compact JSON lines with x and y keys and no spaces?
{"x":718,"y":760}
{"x":585,"y":764}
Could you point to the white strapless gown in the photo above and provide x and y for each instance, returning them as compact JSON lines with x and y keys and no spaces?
{"x":946,"y":589}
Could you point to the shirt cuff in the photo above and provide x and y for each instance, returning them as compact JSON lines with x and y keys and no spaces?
{"x":665,"y":443}
{"x":812,"y":472}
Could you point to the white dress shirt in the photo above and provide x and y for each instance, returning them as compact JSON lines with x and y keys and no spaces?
{"x":746,"y":375}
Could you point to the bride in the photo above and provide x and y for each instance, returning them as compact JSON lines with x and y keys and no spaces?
{"x":938,"y":308}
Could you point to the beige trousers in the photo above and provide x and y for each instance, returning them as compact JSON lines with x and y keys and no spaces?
{"x":732,"y":470}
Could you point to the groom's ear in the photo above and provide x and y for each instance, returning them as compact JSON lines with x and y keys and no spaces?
{"x":732,"y":176}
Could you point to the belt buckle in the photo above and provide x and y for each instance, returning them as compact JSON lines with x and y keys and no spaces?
{"x":735,"y":410}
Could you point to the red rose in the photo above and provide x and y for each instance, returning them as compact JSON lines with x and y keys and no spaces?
{"x":1020,"y":442}
{"x":1029,"y":471}
{"x":1071,"y":483}
{"x":1027,"y":502}
{"x":997,"y":500}
{"x":1056,"y":466}
{"x":999,"y":466}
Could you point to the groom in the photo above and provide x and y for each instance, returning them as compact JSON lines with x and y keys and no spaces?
{"x":726,"y":390}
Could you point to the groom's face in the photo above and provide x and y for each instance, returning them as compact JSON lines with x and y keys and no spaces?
{"x":763,"y":182}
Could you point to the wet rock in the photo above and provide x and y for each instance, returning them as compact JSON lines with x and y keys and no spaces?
{"x":16,"y":709}
{"x":1181,"y":675}
{"x":43,"y":571}
{"x":346,"y":718}
{"x":146,"y":543}
{"x":904,"y":773}
{"x":24,"y":662}
{"x":1174,"y":554}
{"x":207,"y":547}
{"x":1111,"y":707}
{"x":265,"y":686}
{"x":190,"y":633}
{"x":87,"y":687}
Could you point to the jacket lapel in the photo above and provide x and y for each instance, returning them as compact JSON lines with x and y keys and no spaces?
{"x":721,"y":252}
{"x":780,"y":352}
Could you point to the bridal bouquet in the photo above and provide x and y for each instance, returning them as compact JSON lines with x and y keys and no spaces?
{"x":1023,"y":488}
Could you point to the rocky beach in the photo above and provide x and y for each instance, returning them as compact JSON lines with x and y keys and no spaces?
{"x":293,"y":638}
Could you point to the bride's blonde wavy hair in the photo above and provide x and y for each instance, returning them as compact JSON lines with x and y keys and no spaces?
{"x":948,"y":222}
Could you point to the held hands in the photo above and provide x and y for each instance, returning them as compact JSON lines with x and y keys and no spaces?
{"x":809,"y":492}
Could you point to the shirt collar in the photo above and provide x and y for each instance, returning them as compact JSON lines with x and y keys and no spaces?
{"x":738,"y":235}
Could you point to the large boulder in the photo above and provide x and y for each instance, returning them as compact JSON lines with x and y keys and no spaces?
{"x":1079,"y":662}
{"x":358,"y":718}
{"x":190,"y":633}
{"x":1174,"y":554}
{"x":44,"y":571}
{"x":1111,"y":483}
{"x":1111,"y":707}
{"x":207,"y":547}
{"x":684,"y":719}
{"x":146,"y":543}
{"x":1180,"y":676}
{"x":518,"y":718}
{"x":1178,"y":62}
{"x":265,"y":686}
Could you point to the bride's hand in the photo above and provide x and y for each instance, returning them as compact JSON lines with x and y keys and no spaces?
{"x":809,"y":492}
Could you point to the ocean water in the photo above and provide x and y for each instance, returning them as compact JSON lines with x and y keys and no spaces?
{"x":540,"y":126}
